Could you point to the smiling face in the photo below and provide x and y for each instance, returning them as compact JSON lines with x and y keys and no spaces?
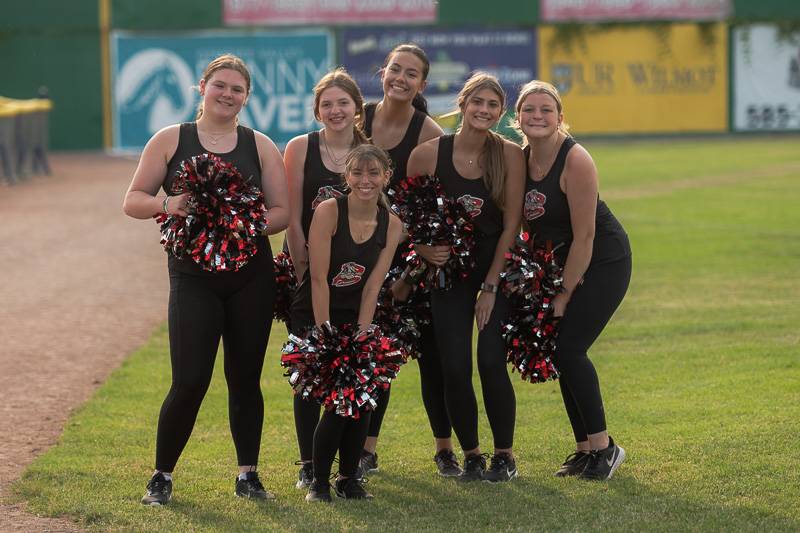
{"x":367,"y":178}
{"x":482,"y":109}
{"x":403,"y":76}
{"x":224,"y":93}
{"x":336,"y":109}
{"x":538,"y":116}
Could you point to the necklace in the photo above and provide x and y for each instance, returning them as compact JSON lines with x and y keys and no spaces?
{"x":215,"y":139}
{"x":338,"y":161}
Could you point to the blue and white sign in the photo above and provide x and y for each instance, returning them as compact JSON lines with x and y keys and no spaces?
{"x":509,"y":54}
{"x":154,"y":80}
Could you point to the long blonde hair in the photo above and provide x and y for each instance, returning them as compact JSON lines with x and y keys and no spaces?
{"x":368,"y":152}
{"x":540,"y":87}
{"x":494,"y":176}
{"x":225,"y":61}
{"x":340,"y":78}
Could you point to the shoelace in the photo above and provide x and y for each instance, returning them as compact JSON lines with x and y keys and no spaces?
{"x":254,"y":483}
{"x":448,"y":458}
{"x":499,"y":461}
{"x":574,"y":457}
{"x":475,"y":460}
{"x":157,"y":485}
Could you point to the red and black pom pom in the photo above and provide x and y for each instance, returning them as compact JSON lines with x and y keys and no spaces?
{"x":434,"y":219}
{"x":227,"y":215}
{"x":285,"y":285}
{"x":342,"y":368}
{"x":532,"y":278}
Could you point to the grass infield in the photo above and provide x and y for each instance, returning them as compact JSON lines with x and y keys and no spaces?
{"x":699,"y":371}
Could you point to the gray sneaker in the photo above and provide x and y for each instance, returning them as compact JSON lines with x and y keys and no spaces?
{"x":447,"y":463}
{"x":250,"y":487}
{"x":159,"y":490}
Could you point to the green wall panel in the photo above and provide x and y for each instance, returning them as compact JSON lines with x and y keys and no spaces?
{"x":166,"y":14}
{"x":766,"y":10}
{"x":481,"y":12}
{"x":51,"y":14}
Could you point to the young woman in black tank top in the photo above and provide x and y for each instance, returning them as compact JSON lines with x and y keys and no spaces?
{"x":314,"y":165}
{"x":204,"y":306}
{"x":398,"y":123}
{"x":562,"y":206}
{"x":351,"y":243}
{"x":485,"y":172}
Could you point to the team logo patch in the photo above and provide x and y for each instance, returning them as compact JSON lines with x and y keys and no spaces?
{"x":324,"y":193}
{"x":472,"y":204}
{"x":350,"y":274}
{"x":534,"y":204}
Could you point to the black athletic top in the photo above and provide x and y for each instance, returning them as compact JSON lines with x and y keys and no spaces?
{"x":319,"y":183}
{"x":350,"y":266}
{"x":472,"y":193}
{"x":400,"y":153}
{"x":244,"y":157}
{"x":546,"y":214}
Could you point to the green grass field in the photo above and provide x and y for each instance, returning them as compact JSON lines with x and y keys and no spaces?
{"x":700,"y":372}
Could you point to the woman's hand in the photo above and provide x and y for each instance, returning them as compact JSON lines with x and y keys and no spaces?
{"x":435,"y":255}
{"x":177,"y":205}
{"x":483,"y":308}
{"x":560,"y":304}
{"x":400,"y":290}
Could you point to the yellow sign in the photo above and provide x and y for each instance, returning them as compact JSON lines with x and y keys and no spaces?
{"x":639,"y":79}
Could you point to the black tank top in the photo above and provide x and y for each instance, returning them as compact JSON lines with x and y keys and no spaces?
{"x":546,"y":214}
{"x":350,"y":266}
{"x":472,"y":193}
{"x":319,"y":183}
{"x":400,"y":153}
{"x":244,"y":156}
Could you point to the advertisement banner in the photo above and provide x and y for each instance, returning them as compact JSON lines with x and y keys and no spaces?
{"x":154,"y":79}
{"x":273,"y":12}
{"x":766,"y":79}
{"x":595,"y":10}
{"x":640,"y":79}
{"x":509,"y":54}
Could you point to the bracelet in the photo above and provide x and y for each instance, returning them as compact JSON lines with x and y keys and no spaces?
{"x":488,"y":287}
{"x":164,"y":205}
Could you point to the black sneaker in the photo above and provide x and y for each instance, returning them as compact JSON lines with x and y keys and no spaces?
{"x":251,"y":487}
{"x":351,"y":488}
{"x":603,"y":463}
{"x":368,"y":464}
{"x":447,"y":463}
{"x":502,"y":467}
{"x":573,"y":464}
{"x":159,"y":490}
{"x":305,"y":476}
{"x":319,"y":491}
{"x":474,"y":467}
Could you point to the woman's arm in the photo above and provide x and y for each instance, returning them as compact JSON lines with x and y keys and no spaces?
{"x":430,"y":130}
{"x":294,"y":160}
{"x":273,"y":183}
{"x":369,"y":295}
{"x":513,"y":191}
{"x":323,"y":226}
{"x":141,"y":199}
{"x":579,"y":182}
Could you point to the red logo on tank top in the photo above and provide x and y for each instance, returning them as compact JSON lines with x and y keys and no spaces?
{"x":534,"y":204}
{"x":472,"y":204}
{"x":325,"y":193}
{"x":350,"y":274}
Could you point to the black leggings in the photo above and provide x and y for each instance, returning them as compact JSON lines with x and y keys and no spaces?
{"x":236,"y":306}
{"x":432,"y":385}
{"x":588,"y":312}
{"x":337,"y":433}
{"x":453,"y":319}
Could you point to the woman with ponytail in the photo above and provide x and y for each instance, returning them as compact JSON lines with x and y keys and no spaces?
{"x":562,"y":207}
{"x":398,"y":123}
{"x":485,"y":172}
{"x":314,"y":165}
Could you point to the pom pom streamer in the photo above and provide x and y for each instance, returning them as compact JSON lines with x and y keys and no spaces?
{"x":434,"y":219}
{"x":532,"y":278}
{"x":285,"y":285}
{"x":226,"y":215}
{"x":403,"y":319}
{"x":341,"y":368}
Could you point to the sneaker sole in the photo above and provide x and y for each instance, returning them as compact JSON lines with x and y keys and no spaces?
{"x":618,"y":461}
{"x":442,"y":474}
{"x":301,"y":485}
{"x":268,"y":497}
